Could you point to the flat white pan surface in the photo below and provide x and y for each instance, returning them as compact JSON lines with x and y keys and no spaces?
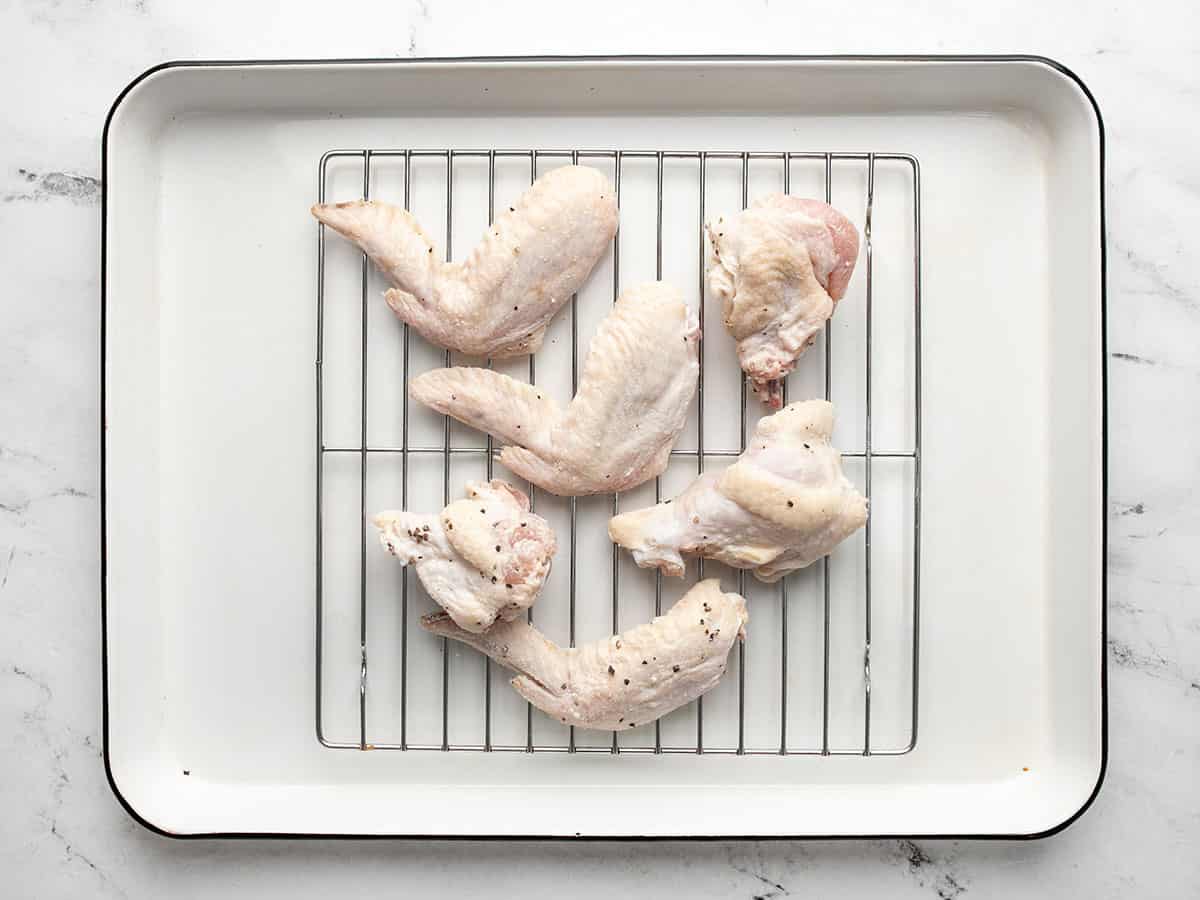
{"x":210,"y":487}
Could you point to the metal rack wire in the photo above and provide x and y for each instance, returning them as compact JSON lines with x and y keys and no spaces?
{"x":406,"y":452}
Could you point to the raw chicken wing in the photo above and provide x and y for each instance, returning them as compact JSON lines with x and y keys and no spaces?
{"x":783,"y":505}
{"x":637,"y":382}
{"x":779,"y":266}
{"x":497,"y":302}
{"x":481,"y":558}
{"x":623,"y":681}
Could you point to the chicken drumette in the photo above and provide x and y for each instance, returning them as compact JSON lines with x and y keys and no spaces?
{"x":783,"y":505}
{"x":779,"y":266}
{"x":481,"y":559}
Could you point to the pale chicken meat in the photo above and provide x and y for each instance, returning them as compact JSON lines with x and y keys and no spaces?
{"x":784,"y":504}
{"x":618,"y":430}
{"x":481,"y":559}
{"x":779,"y":266}
{"x":497,"y":302}
{"x":623,"y":681}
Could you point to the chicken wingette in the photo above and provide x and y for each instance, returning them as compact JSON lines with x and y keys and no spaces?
{"x":497,"y":302}
{"x":630,"y":406}
{"x":623,"y":681}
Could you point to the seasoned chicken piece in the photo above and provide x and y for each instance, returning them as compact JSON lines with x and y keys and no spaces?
{"x":623,"y":681}
{"x":481,"y":559}
{"x":779,"y":266}
{"x":497,"y":302}
{"x":783,"y":505}
{"x":638,"y":379}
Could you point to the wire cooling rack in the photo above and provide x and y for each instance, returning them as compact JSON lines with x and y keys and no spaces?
{"x":706,"y":166}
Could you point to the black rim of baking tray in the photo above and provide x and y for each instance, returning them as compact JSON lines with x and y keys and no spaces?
{"x":932,"y":58}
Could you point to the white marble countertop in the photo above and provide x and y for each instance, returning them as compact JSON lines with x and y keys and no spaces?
{"x":62,"y":833}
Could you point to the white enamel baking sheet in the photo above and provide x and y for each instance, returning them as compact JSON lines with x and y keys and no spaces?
{"x":209,"y":479}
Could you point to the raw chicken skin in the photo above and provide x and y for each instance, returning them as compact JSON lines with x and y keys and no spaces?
{"x":783,"y":505}
{"x":497,"y":302}
{"x":632,"y":402}
{"x":779,"y":267}
{"x":481,"y":559}
{"x":623,"y":681}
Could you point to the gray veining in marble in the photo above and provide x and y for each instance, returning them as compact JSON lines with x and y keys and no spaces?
{"x":61,"y":832}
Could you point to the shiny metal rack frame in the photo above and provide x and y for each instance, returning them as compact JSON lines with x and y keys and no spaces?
{"x":617,"y":157}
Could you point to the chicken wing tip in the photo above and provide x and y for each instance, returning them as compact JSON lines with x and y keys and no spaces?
{"x":317,"y":209}
{"x":437,"y":622}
